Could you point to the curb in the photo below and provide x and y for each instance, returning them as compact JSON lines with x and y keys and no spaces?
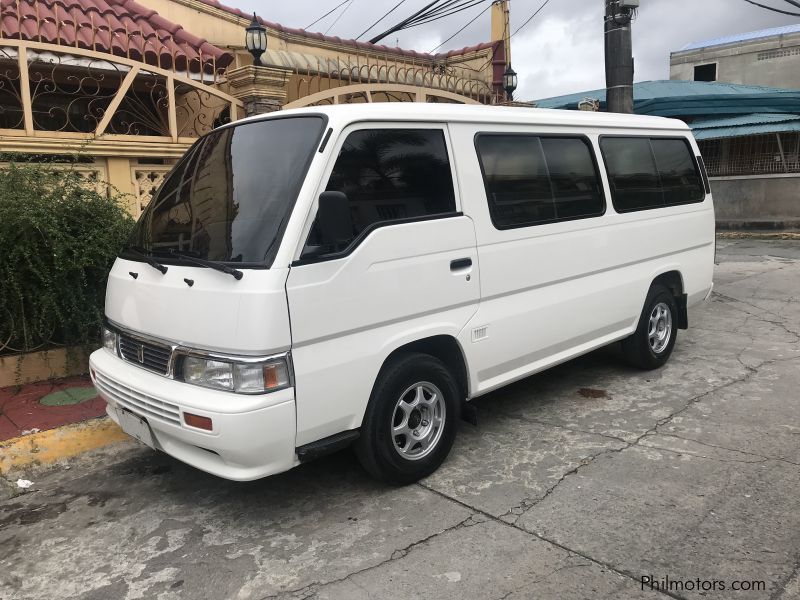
{"x":48,"y":447}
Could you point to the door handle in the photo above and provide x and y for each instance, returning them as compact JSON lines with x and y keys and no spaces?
{"x":460,"y":263}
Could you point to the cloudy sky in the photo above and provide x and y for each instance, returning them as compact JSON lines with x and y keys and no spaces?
{"x":560,"y":51}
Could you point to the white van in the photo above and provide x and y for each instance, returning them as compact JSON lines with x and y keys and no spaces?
{"x":355,"y":274}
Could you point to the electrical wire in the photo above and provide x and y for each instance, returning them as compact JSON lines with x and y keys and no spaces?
{"x":773,"y":9}
{"x":341,"y":14}
{"x":449,"y":8}
{"x":529,"y":19}
{"x":438,"y":9}
{"x":386,"y":14}
{"x":470,"y":22}
{"x":445,"y":14}
{"x":326,"y":14}
{"x":441,"y":8}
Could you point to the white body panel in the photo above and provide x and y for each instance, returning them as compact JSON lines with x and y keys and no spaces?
{"x":532,"y":297}
{"x":349,"y":314}
{"x":217,"y":312}
{"x":551,"y":292}
{"x":253,"y":436}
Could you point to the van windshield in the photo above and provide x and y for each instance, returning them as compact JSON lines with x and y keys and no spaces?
{"x":230,"y":196}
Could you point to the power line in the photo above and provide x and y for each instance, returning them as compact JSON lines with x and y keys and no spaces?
{"x":442,"y":15}
{"x":438,"y":9}
{"x":538,"y":10}
{"x":326,"y":14}
{"x":402,"y":24}
{"x":386,"y":14}
{"x":341,"y":14}
{"x":470,"y":22}
{"x":773,"y":9}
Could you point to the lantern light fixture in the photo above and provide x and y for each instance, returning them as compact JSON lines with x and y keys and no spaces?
{"x":510,"y":82}
{"x":255,"y":40}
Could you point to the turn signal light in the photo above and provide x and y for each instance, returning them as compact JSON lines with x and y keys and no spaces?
{"x":274,"y":376}
{"x":197,"y":421}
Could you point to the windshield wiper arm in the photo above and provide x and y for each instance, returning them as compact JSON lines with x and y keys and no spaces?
{"x":237,"y":274}
{"x":148,"y":259}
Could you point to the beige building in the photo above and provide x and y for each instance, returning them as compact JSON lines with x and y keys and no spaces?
{"x":118,"y":90}
{"x":767,"y":58}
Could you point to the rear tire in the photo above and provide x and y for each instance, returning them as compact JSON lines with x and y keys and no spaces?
{"x":411,"y":420}
{"x":651,"y":344}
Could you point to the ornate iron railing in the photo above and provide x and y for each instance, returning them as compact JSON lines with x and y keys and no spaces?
{"x":79,"y":93}
{"x":314,"y":75}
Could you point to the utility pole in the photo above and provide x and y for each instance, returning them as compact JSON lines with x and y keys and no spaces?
{"x":619,"y":54}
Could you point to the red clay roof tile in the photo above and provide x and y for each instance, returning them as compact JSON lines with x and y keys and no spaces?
{"x":119,"y":27}
{"x":346,"y":42}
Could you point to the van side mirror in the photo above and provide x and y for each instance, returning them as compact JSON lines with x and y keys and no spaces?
{"x":334,"y":224}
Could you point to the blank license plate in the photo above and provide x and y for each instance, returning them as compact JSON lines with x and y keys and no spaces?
{"x":136,"y":427}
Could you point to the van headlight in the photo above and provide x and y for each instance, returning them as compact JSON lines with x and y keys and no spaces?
{"x":110,"y":340}
{"x":241,"y":377}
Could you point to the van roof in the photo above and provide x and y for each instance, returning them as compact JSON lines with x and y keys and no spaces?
{"x":476,"y":113}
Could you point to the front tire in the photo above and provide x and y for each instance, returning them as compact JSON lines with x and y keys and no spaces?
{"x":651,"y":344}
{"x":411,"y":420}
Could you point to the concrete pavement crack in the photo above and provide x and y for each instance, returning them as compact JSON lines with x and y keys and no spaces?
{"x":781,"y":588}
{"x":721,"y":460}
{"x":730,"y":299}
{"x":766,"y":458}
{"x":528,"y":419}
{"x":310,"y":590}
{"x":529,"y":503}
{"x":538,"y":536}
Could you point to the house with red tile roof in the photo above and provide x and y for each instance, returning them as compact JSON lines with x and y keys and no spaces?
{"x":129,"y":84}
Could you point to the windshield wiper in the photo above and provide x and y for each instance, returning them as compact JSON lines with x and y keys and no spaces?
{"x":207,"y":263}
{"x":148,"y":259}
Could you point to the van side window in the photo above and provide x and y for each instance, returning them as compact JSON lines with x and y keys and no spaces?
{"x":390,"y":175}
{"x":532,"y":180}
{"x":679,"y":177}
{"x":647,"y":173}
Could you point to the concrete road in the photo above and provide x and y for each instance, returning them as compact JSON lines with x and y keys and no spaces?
{"x":577,"y":483}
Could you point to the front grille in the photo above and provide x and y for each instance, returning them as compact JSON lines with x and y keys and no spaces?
{"x":139,"y":403}
{"x":149,"y":355}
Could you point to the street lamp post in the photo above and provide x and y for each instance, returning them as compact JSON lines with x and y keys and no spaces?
{"x":255,"y":40}
{"x":510,"y":82}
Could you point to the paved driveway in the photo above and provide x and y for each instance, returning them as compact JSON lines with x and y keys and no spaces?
{"x":577,"y":483}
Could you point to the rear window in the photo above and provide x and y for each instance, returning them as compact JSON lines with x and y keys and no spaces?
{"x":648,"y":173}
{"x":533,"y":180}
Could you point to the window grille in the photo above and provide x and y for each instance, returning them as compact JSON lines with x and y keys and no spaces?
{"x":752,"y":155}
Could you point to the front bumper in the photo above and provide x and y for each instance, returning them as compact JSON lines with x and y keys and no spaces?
{"x":252,"y":436}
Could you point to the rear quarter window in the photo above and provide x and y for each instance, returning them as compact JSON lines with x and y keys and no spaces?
{"x":650,"y":173}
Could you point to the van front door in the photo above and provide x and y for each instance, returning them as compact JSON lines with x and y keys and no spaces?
{"x":408,"y":271}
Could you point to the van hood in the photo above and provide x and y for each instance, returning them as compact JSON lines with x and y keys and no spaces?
{"x":216,"y":312}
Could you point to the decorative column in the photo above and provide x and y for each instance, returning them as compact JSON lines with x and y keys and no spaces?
{"x":261,"y":89}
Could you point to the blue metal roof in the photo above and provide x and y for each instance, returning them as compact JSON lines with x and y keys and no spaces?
{"x":650,"y":90}
{"x":742,"y":37}
{"x":693,"y":99}
{"x":742,"y":125}
{"x":713,"y":110}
